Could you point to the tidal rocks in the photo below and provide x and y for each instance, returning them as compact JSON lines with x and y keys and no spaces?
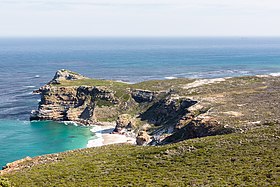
{"x":34,"y":116}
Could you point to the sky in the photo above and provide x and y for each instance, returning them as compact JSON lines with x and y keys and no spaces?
{"x":129,"y":18}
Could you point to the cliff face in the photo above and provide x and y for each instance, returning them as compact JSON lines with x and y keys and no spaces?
{"x":161,"y":112}
{"x":72,"y":103}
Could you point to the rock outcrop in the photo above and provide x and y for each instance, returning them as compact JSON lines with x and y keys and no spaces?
{"x":168,"y":110}
{"x":142,"y":138}
{"x":124,"y":123}
{"x":63,"y":74}
{"x":73,"y":103}
{"x":141,"y":96}
{"x":197,"y":127}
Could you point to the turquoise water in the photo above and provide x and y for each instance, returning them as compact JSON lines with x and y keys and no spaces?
{"x":22,"y":138}
{"x":28,"y":63}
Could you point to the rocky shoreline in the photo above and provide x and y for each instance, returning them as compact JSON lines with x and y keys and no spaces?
{"x":159,"y":112}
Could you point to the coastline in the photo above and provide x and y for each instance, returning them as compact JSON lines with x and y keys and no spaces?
{"x":103,"y":131}
{"x":102,"y":136}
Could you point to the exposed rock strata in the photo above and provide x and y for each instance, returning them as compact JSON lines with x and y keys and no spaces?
{"x":71,"y":103}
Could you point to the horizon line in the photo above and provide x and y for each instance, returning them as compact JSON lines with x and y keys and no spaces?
{"x":151,"y":36}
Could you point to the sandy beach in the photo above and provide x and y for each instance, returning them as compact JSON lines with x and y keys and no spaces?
{"x":104,"y":137}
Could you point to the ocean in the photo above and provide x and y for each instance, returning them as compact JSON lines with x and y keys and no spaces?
{"x":28,"y":63}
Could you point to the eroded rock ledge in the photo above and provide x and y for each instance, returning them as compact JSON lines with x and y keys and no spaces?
{"x":161,"y":112}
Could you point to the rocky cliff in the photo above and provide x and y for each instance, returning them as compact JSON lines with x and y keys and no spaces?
{"x":73,"y":103}
{"x":160,"y":112}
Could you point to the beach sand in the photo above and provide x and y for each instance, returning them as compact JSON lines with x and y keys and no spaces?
{"x":103,"y":136}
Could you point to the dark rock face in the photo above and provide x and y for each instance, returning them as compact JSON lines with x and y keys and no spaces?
{"x":198,"y":127}
{"x":168,"y":110}
{"x":34,"y":116}
{"x":141,"y":96}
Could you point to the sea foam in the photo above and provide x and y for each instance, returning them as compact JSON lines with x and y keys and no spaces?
{"x":275,"y":74}
{"x":70,"y":123}
{"x":98,"y":139}
{"x":29,"y":86}
{"x":169,"y":78}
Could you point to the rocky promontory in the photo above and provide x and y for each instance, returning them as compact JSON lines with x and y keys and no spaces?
{"x":189,"y":113}
{"x":162,"y":111}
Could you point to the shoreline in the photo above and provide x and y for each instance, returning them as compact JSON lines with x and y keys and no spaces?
{"x":102,"y":136}
{"x":103,"y":131}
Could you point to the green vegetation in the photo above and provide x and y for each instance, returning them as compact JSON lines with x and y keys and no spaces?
{"x":153,"y":85}
{"x":90,"y":82}
{"x":102,"y":102}
{"x":158,"y":85}
{"x":240,"y":159}
{"x":5,"y":182}
{"x":121,"y":89}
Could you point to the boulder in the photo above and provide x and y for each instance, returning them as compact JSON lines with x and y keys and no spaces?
{"x":141,"y":96}
{"x":124,"y":123}
{"x":142,"y":138}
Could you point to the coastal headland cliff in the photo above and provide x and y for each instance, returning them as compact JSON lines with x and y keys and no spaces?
{"x":162,"y":111}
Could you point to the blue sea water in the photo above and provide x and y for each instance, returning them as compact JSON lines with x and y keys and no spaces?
{"x":28,"y":63}
{"x":23,"y":138}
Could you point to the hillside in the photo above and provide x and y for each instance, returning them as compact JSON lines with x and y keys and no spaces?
{"x":239,"y":159}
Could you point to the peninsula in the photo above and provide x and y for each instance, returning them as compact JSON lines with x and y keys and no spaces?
{"x":186,"y":114}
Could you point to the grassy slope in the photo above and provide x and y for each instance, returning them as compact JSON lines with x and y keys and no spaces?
{"x":250,"y":159}
{"x":153,"y":85}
